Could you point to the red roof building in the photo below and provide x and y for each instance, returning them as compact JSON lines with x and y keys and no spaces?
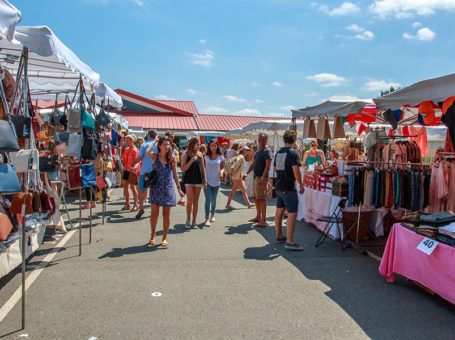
{"x":177,"y":115}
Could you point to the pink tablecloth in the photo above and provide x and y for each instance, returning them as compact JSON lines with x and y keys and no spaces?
{"x":435,"y":271}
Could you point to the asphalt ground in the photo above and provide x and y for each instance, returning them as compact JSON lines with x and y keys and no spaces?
{"x":229,"y":281}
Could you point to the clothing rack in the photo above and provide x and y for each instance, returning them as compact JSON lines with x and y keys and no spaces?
{"x":396,"y":136}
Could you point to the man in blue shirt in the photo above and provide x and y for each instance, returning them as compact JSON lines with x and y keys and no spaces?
{"x":147,"y":166}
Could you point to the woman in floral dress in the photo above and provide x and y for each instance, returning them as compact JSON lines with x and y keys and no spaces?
{"x":162,"y":194}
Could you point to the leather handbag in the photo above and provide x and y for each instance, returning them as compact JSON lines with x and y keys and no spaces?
{"x":309,"y":130}
{"x":87,"y":120}
{"x":35,"y":127}
{"x":5,"y":224}
{"x":8,"y":139}
{"x":88,"y":175}
{"x":74,"y":177}
{"x":89,"y":148}
{"x":25,"y":160}
{"x":48,"y":164}
{"x":132,"y":178}
{"x":338,"y":128}
{"x":21,"y":125}
{"x":74,"y":145}
{"x":103,"y":118}
{"x":36,"y":204}
{"x":9,"y":183}
{"x":46,"y":202}
{"x":8,"y":83}
{"x":100,"y":183}
{"x":74,"y":120}
{"x":18,"y":200}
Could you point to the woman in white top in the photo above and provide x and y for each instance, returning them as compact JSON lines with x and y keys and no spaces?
{"x":214,"y":164}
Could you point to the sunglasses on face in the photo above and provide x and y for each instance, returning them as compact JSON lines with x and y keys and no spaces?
{"x":313,"y":145}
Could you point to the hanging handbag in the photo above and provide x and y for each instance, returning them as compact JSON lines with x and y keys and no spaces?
{"x":46,"y":202}
{"x":309,"y":130}
{"x":8,"y":139}
{"x":114,"y":137}
{"x":74,"y":145}
{"x":8,"y":83}
{"x":89,"y":148}
{"x":5,"y":224}
{"x":87,"y":121}
{"x":35,"y":201}
{"x":100,"y":183}
{"x":88,"y":175}
{"x":18,"y":200}
{"x":74,"y":120}
{"x":9,"y":183}
{"x":21,"y":125}
{"x":25,"y":160}
{"x":103,"y":118}
{"x":48,"y":164}
{"x":35,"y":127}
{"x":338,"y":128}
{"x":74,"y":177}
{"x":132,"y":178}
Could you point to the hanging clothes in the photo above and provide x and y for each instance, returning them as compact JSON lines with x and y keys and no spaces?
{"x":421,"y":139}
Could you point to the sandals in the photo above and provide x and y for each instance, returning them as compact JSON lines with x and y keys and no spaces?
{"x":126,"y":207}
{"x":87,"y":206}
{"x":135,"y":208}
{"x":152,"y":241}
{"x":164,"y":243}
{"x":255,"y":220}
{"x":250,"y":206}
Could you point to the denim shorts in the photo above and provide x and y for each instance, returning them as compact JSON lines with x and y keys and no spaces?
{"x":288,"y":200}
{"x":141,"y":183}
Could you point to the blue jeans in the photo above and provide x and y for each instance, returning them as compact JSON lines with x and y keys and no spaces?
{"x":210,"y":199}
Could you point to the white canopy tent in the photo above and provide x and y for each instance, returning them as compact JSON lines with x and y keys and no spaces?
{"x":206,"y":133}
{"x":278,"y":126}
{"x":435,"y":89}
{"x":330,"y":108}
{"x":10,"y":16}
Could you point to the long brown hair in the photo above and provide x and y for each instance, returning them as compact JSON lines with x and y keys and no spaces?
{"x":209,"y":151}
{"x":169,"y":157}
{"x":190,"y":149}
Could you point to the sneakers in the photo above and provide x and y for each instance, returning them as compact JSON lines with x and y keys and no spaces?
{"x":293,"y":246}
{"x":207,"y":223}
{"x":188,"y":225}
{"x":139,"y":214}
{"x":212,"y":219}
{"x":281,"y":240}
{"x":194,"y":225}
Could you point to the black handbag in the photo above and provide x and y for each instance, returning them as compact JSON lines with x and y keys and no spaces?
{"x":48,"y":164}
{"x":8,"y":139}
{"x":150,"y":178}
{"x":21,"y":125}
{"x":103,"y":118}
{"x":89,"y":148}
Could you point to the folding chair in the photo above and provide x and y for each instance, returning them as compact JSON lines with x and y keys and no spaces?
{"x":334,"y":219}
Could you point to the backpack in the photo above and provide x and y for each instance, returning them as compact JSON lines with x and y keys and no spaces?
{"x":230,"y":166}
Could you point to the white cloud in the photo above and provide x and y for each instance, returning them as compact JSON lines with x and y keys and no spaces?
{"x":362,"y":33}
{"x":276,"y":114}
{"x":203,"y":41}
{"x":203,"y":59}
{"x":424,"y":34}
{"x":234,"y":98}
{"x":254,"y":84}
{"x":191,"y":91}
{"x":163,"y":97}
{"x":409,"y":8}
{"x":343,"y":98}
{"x":378,"y":85}
{"x":258,"y":101}
{"x":248,"y":112}
{"x":277,"y":84}
{"x":312,"y":94}
{"x":344,"y":9}
{"x":140,"y":3}
{"x":215,"y":109}
{"x":417,"y":24}
{"x":288,"y":107}
{"x":328,"y":79}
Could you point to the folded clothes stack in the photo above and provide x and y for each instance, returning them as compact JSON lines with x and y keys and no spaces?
{"x":439,"y":218}
{"x":439,"y":226}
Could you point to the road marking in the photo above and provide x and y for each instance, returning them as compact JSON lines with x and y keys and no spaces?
{"x":17,"y":295}
{"x":156,"y":294}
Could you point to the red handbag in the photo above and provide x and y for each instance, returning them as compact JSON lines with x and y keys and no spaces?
{"x":35,"y":127}
{"x":5,"y":224}
{"x":74,"y":177}
{"x":46,"y":202}
{"x":100,"y":183}
{"x":18,"y":201}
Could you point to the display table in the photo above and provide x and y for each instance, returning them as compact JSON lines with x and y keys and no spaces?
{"x":314,"y":204}
{"x":434,"y":271}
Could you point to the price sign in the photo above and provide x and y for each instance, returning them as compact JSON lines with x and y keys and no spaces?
{"x":427,"y":245}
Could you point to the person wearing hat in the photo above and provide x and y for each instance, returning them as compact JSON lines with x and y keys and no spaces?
{"x":238,"y":176}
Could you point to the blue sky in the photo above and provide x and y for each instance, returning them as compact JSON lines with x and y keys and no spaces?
{"x":254,"y":57}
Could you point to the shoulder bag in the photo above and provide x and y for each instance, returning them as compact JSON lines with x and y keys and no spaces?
{"x":5,"y":224}
{"x":74,"y":145}
{"x":74,"y":120}
{"x":8,"y":139}
{"x":150,"y":178}
{"x":88,"y":175}
{"x":87,"y":121}
{"x":25,"y":160}
{"x":9,"y":183}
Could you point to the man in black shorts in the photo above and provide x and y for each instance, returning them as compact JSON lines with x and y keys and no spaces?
{"x":287,"y":167}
